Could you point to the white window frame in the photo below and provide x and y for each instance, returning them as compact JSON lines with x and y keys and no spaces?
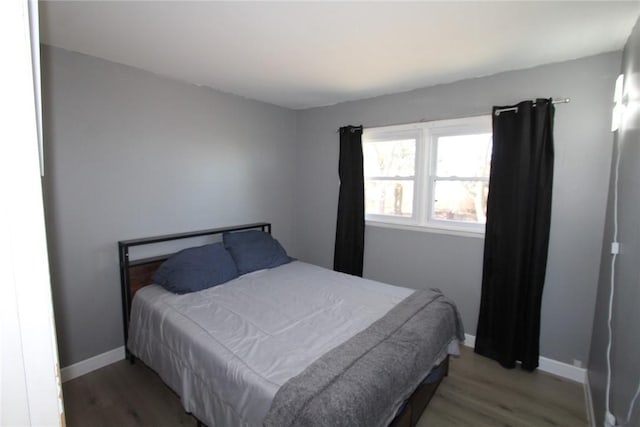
{"x":400,"y":132}
{"x":426,"y":135}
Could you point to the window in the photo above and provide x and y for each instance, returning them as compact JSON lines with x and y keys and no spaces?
{"x":433,"y":175}
{"x":390,"y":169}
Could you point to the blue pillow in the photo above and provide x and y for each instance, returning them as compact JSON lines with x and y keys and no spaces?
{"x":195,"y":269}
{"x":254,"y":250}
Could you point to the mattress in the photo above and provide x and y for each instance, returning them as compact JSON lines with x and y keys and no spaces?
{"x":227,"y":350}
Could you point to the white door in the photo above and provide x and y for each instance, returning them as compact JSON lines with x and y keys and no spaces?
{"x":31,"y":392}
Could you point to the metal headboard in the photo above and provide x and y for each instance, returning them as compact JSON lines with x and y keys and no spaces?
{"x":147,"y":266}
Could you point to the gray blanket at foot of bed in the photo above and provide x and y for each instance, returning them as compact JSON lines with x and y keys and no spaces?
{"x":364,"y":380}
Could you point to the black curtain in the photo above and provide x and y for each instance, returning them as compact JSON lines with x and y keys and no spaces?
{"x":349,"y":246}
{"x":517,"y":234}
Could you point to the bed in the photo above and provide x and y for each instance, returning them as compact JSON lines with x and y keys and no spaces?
{"x":291,"y":345}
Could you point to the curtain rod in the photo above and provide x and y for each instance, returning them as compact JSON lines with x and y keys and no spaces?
{"x":555,"y":101}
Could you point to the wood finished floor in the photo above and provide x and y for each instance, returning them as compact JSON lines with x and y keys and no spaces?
{"x":477,"y":392}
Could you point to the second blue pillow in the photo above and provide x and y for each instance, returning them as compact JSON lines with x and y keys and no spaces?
{"x":254,"y":250}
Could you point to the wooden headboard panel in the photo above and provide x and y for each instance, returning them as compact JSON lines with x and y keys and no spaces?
{"x":136,"y":274}
{"x":140,"y":273}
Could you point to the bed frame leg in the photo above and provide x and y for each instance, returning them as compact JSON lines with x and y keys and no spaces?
{"x":446,"y":367}
{"x":129,"y":356}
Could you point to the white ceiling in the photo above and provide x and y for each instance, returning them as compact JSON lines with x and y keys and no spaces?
{"x":307,"y":54}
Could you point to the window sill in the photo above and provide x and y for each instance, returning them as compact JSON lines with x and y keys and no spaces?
{"x":461,"y":232}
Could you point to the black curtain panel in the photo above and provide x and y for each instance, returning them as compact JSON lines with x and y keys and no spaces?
{"x":349,"y":246}
{"x":517,"y":234}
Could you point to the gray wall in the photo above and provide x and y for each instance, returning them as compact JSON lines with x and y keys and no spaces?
{"x":626,"y":316}
{"x":130,"y":154}
{"x":454,"y":264}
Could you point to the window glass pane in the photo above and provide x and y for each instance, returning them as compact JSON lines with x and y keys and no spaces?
{"x":461,"y":201}
{"x":390,"y":158}
{"x":464,"y":155}
{"x":389,"y":197}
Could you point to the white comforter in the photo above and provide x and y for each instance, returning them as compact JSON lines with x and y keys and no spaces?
{"x":226,"y":350}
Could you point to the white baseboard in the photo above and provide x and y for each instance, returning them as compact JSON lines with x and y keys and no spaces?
{"x":562,"y":369}
{"x":591,"y":416}
{"x":469,"y":341}
{"x":551,"y":366}
{"x":91,"y":364}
